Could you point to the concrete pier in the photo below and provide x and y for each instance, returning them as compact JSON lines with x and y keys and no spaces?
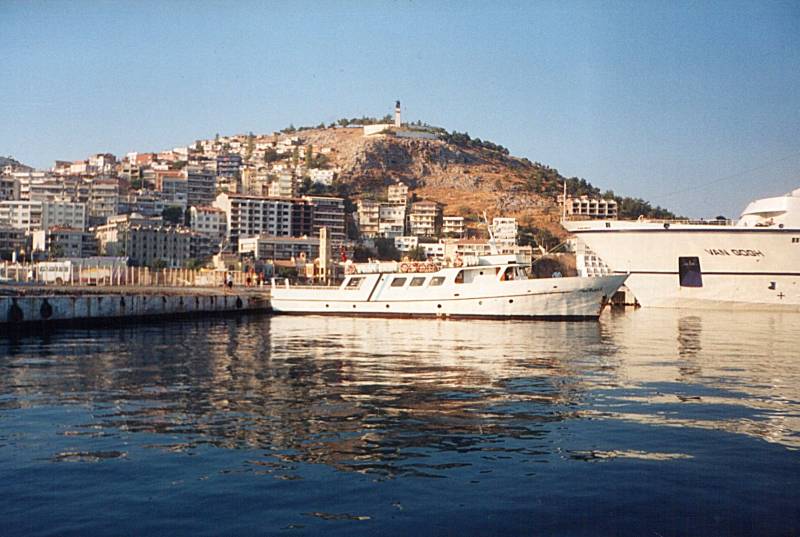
{"x":55,"y":306}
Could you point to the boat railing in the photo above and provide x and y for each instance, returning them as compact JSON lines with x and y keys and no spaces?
{"x":692,"y":221}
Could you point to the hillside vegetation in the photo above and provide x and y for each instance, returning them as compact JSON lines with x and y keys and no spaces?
{"x":467,"y":174}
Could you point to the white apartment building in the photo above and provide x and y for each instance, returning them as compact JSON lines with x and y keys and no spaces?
{"x":369,"y":217}
{"x":453,"y":226}
{"x":247,"y":216}
{"x":284,"y":186}
{"x":174,"y":190}
{"x":406,"y":243}
{"x":209,"y":221}
{"x":591,"y":207}
{"x":392,"y":220}
{"x":33,"y":215}
{"x":322,"y":176}
{"x":425,"y":218}
{"x":398,"y":194}
{"x":505,"y":231}
{"x":268,"y":247}
{"x":103,"y":199}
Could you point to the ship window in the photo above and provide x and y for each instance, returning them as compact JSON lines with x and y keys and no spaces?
{"x":416,"y":282}
{"x":398,"y":282}
{"x":689,"y":272}
{"x":435,"y":281}
{"x":354,"y":283}
{"x":460,"y":277}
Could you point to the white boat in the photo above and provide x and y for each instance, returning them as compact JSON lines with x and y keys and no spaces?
{"x":751,"y":264}
{"x":493,"y":286}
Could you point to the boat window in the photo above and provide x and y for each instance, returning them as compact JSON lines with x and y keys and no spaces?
{"x":437,"y":280}
{"x":416,"y":282}
{"x":508,"y":274}
{"x":354,"y":283}
{"x":689,"y":273}
{"x":398,"y":282}
{"x":460,"y":277}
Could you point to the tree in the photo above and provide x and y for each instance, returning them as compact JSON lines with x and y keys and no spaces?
{"x":309,"y":155}
{"x":417,"y":254}
{"x":271,"y":155}
{"x":387,"y":250}
{"x":158,"y":264}
{"x":173,"y":215}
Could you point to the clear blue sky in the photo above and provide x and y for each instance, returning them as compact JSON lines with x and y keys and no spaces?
{"x":692,"y":105}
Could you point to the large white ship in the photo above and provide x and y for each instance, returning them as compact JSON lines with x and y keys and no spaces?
{"x":753,"y":263}
{"x":493,"y":286}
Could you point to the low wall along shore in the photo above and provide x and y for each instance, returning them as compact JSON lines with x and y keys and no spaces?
{"x":30,"y":308}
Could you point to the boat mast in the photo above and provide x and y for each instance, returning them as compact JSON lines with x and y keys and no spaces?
{"x":492,"y":244}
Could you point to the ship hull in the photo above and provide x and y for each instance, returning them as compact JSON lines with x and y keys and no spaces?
{"x":737,"y":268}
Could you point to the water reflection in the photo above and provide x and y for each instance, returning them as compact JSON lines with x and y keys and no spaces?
{"x":387,"y":396}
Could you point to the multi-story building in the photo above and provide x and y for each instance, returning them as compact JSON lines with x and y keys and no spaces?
{"x":247,"y":216}
{"x":406,"y":243}
{"x":425,"y":219}
{"x":9,"y":187}
{"x":398,"y":194}
{"x":392,"y":220}
{"x":65,"y":242}
{"x":322,"y":176}
{"x":283,"y":186}
{"x":11,"y":240}
{"x":103,"y":200}
{"x":329,"y":213}
{"x":453,"y":226}
{"x":229,"y":166}
{"x":146,"y":240}
{"x":145,"y":202}
{"x":505,"y":231}
{"x":201,"y":185}
{"x":209,"y":221}
{"x":369,"y":217}
{"x":147,"y":245}
{"x":33,"y":215}
{"x":281,"y":248}
{"x":591,"y":207}
{"x":174,"y":188}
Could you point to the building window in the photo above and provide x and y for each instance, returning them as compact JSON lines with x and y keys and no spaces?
{"x":398,"y":282}
{"x":689,"y":272}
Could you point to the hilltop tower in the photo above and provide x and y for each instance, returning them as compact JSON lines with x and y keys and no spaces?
{"x":397,"y":114}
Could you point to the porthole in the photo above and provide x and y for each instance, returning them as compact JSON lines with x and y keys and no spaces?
{"x":480,"y":302}
{"x":387,"y":306}
{"x":327,"y":305}
{"x":438,"y":305}
{"x":354,"y":305}
{"x":510,"y":300}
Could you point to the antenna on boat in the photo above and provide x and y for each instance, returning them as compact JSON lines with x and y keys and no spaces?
{"x":492,"y":244}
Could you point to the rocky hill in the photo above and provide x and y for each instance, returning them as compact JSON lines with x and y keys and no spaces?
{"x":468,"y":175}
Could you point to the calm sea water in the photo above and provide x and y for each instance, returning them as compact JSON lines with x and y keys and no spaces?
{"x":646,"y":423}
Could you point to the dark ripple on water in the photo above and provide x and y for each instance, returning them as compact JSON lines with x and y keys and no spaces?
{"x":478,"y":427}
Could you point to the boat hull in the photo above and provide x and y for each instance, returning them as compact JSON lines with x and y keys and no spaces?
{"x":741,"y":268}
{"x":555,"y":298}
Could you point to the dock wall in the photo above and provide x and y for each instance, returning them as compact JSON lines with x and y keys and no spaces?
{"x":16,"y":310}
